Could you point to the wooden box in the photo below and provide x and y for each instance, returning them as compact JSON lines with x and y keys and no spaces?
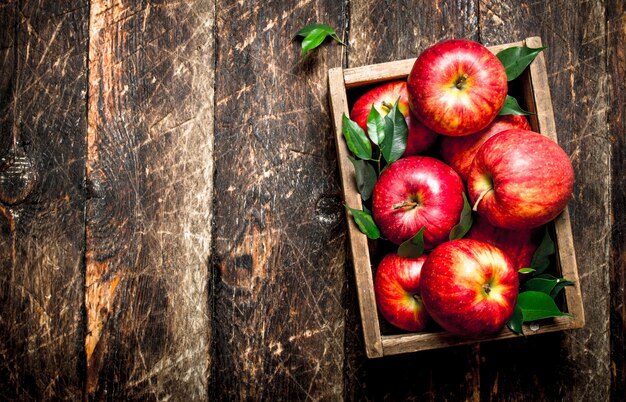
{"x":531,"y":90}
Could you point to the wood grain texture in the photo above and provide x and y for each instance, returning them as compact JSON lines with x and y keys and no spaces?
{"x":400,"y":30}
{"x":43,"y":85}
{"x":572,"y":365}
{"x":279,"y":229}
{"x":616,"y":68}
{"x":149,"y":176}
{"x":8,"y":59}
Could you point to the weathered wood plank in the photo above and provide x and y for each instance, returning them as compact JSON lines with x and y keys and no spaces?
{"x":573,"y":365}
{"x":402,"y":29}
{"x":381,"y":33}
{"x":8,"y":60}
{"x":616,"y":67}
{"x":149,"y":175}
{"x":279,"y":228}
{"x":43,"y":83}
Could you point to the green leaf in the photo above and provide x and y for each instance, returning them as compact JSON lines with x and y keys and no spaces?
{"x":396,"y":133}
{"x":328,"y":29}
{"x":512,"y":107}
{"x":365,"y":177}
{"x":516,"y":320}
{"x":546,"y":276}
{"x":414,"y":247}
{"x":540,"y":285}
{"x":537,"y":306}
{"x":375,"y":126}
{"x":465,"y":222}
{"x":526,"y":270}
{"x":303,"y":32}
{"x":365,"y":222}
{"x":541,"y":258}
{"x":313,"y":40}
{"x":356,"y":139}
{"x":559,"y":287}
{"x":314,"y":35}
{"x":549,"y":285}
{"x":516,"y":59}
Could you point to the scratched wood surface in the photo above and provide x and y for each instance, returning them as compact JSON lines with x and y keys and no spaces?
{"x":126,"y":274}
{"x":149,"y":168}
{"x":43,"y":125}
{"x":279,"y":229}
{"x":616,"y":95}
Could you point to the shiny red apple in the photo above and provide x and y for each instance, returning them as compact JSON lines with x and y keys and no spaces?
{"x":417,"y":191}
{"x":469,"y":287}
{"x":384,"y":97}
{"x":396,"y":286}
{"x":459,"y":152}
{"x":520,"y":180}
{"x":457,"y":87}
{"x":518,"y":245}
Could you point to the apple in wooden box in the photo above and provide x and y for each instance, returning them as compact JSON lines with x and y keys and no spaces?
{"x":532,"y":90}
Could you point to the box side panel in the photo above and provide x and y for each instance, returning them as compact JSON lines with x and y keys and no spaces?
{"x":396,"y":344}
{"x":358,"y":241}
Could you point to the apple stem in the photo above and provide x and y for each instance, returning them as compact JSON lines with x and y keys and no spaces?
{"x":386,"y":106}
{"x":487,"y":288}
{"x":480,"y":198}
{"x":404,"y":204}
{"x":459,"y":83}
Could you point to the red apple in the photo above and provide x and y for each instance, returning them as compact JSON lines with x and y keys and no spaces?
{"x":518,"y":245}
{"x":396,"y":286}
{"x":420,"y":137}
{"x":469,"y":287}
{"x":457,"y":87}
{"x":520,"y":180}
{"x":384,"y":97}
{"x":417,"y":191}
{"x":459,"y":152}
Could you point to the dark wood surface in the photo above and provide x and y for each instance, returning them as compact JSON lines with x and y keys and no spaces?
{"x":171,"y":221}
{"x":279,"y":236}
{"x":616,"y":99}
{"x":149,"y":171}
{"x":42,"y":199}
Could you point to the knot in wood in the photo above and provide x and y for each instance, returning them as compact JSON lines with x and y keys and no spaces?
{"x":18,"y":176}
{"x":328,"y":210}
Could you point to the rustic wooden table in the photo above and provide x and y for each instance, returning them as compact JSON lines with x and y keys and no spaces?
{"x":171,"y":221}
